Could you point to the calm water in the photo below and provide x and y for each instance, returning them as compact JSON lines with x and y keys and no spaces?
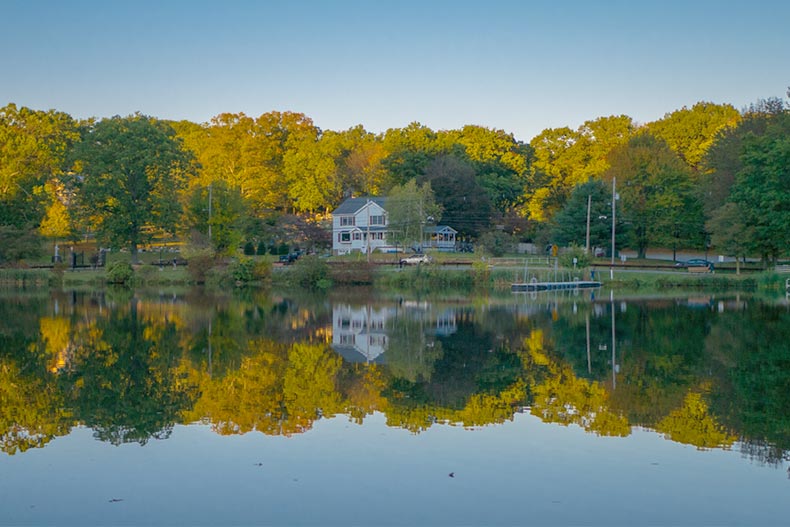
{"x":356,"y":409}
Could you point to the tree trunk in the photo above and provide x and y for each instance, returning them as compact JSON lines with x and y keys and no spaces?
{"x":133,"y":252}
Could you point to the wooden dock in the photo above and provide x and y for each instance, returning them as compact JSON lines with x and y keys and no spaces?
{"x":552,"y":286}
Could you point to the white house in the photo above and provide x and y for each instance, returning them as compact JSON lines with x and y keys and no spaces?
{"x":360,"y":224}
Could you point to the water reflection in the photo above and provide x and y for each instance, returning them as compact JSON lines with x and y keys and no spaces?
{"x":709,"y":371}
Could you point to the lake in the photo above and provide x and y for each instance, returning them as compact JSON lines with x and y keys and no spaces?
{"x":364,"y":408}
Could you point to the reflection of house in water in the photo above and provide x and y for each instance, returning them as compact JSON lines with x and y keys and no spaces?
{"x":360,"y":333}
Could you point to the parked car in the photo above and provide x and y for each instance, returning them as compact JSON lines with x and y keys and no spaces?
{"x":290,"y":258}
{"x":416,"y":259}
{"x":696,"y":262}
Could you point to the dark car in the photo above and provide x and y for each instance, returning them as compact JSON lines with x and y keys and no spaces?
{"x":696,"y":262}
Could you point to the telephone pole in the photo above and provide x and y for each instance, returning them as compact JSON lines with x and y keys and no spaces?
{"x":614,"y":211}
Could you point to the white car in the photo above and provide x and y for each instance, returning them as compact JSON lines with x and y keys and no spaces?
{"x":416,"y":259}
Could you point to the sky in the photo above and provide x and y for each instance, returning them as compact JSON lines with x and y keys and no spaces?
{"x":517,"y":65}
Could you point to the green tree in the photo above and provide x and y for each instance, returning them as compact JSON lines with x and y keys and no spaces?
{"x":33,"y":145}
{"x":762,"y":188}
{"x":132,"y":168}
{"x":228,"y":215}
{"x":730,"y":233}
{"x":409,"y":207}
{"x":656,"y":192}
{"x":465,"y":205}
{"x":569,"y":225}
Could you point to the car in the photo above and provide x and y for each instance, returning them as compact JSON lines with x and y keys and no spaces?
{"x":696,"y":262}
{"x":416,"y":259}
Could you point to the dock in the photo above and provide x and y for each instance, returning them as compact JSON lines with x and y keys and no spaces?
{"x":552,"y":286}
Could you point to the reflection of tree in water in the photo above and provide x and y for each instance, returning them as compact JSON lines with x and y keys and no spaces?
{"x":32,"y":408}
{"x":411,"y":352}
{"x":692,"y":424}
{"x":124,"y":378}
{"x":749,"y":350}
{"x":557,"y":395}
{"x":696,"y":375}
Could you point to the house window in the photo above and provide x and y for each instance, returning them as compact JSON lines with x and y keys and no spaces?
{"x":357,"y":236}
{"x":377,"y":220}
{"x":344,"y":237}
{"x":346,"y":221}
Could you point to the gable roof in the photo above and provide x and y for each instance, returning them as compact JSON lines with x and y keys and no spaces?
{"x":441,"y":228}
{"x":353,"y":205}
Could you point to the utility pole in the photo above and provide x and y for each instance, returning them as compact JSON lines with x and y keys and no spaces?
{"x":210,"y":195}
{"x":367,"y":236}
{"x":614,"y":211}
{"x":587,"y":244}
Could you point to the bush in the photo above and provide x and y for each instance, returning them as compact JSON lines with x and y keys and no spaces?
{"x":261,"y":250}
{"x":119,"y":272}
{"x":353,"y":273}
{"x":249,"y":249}
{"x":247,"y":270}
{"x":311,"y":272}
{"x":495,"y":243}
{"x":574,"y":251}
{"x":146,"y":273}
{"x":199,"y":261}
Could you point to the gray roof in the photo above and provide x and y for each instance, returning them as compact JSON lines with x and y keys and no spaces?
{"x":440,"y":228}
{"x":352,"y":205}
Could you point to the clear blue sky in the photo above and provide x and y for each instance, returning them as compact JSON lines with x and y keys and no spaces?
{"x":521,"y":65}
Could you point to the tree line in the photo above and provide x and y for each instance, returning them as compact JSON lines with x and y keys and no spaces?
{"x":704,"y":176}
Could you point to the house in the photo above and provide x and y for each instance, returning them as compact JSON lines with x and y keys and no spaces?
{"x":360,"y":224}
{"x":441,"y":237}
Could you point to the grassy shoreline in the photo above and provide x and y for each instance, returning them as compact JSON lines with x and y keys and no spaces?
{"x":418,"y":278}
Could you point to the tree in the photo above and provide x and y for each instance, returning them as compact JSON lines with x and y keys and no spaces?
{"x":464,"y":203}
{"x":564,"y":158}
{"x":131,"y":168}
{"x":656,"y":192}
{"x":690,"y":132}
{"x":730,"y":233}
{"x":228,"y":214}
{"x":57,"y":221}
{"x":762,"y":188}
{"x":569,"y":225}
{"x":32,"y":150}
{"x":409,"y":207}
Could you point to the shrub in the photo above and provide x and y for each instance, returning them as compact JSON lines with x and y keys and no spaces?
{"x":199,"y":261}
{"x":119,"y":272}
{"x":574,"y":251}
{"x":311,"y":272}
{"x":495,"y":243}
{"x":247,"y":270}
{"x":261,"y":250}
{"x":249,"y":249}
{"x":353,"y":273}
{"x":146,"y":273}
